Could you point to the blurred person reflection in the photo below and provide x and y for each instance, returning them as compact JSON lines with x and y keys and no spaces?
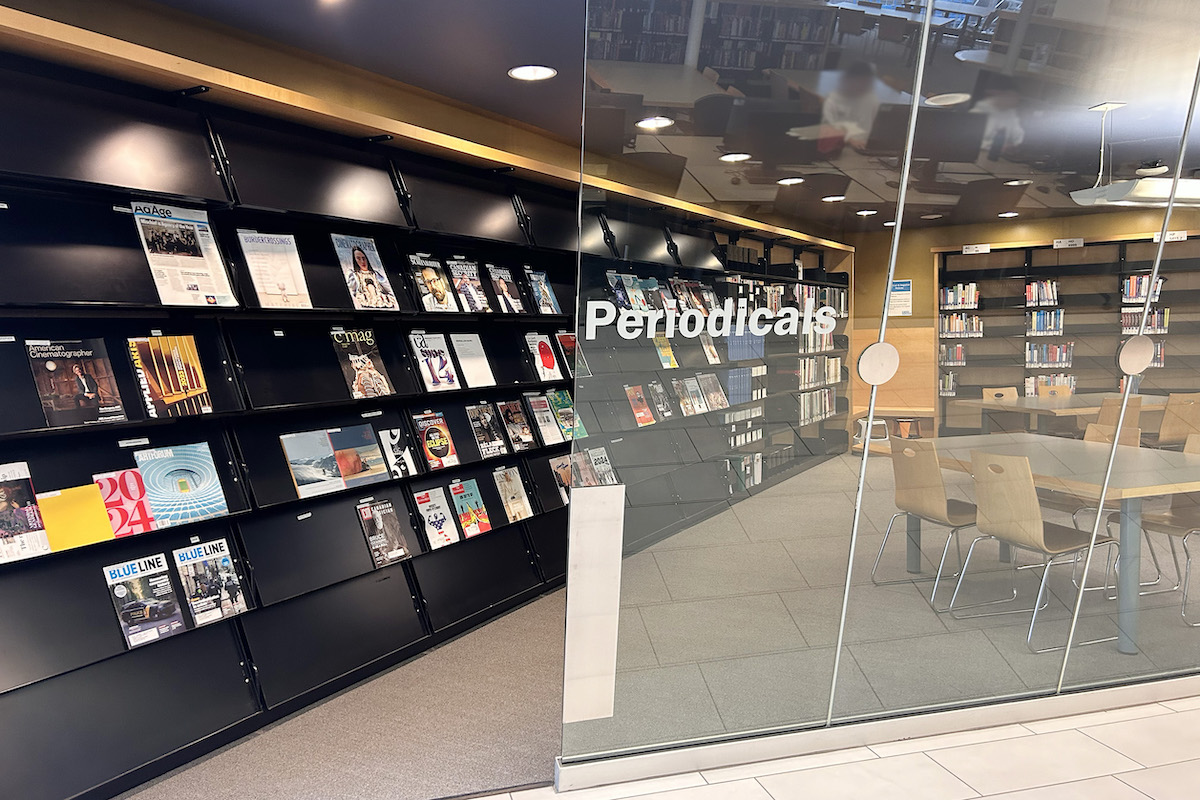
{"x":1001,"y":102}
{"x":852,"y":106}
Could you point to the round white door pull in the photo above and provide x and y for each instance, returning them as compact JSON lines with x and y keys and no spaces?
{"x":878,"y":363}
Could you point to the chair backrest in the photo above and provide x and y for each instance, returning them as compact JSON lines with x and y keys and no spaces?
{"x":1053,"y":391}
{"x":1181,"y":418}
{"x":710,"y":114}
{"x":1006,"y":499}
{"x":920,"y":488}
{"x":1110,"y":411}
{"x":656,"y":172}
{"x":1000,"y":393}
{"x":851,"y":20}
{"x":893,"y":29}
{"x":870,"y":3}
{"x":1095,"y":432}
{"x":711,"y":74}
{"x":1188,"y":502}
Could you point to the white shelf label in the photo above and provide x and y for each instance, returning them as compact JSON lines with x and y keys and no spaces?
{"x":976,"y":249}
{"x":369,"y":414}
{"x":1172,"y":236}
{"x":304,"y":516}
{"x":133,"y":442}
{"x":1063,"y":244}
{"x":7,"y":339}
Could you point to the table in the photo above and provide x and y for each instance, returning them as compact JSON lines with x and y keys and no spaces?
{"x":819,"y":84}
{"x":1076,"y":466}
{"x":1045,"y":408}
{"x":998,"y":62}
{"x":661,"y":85}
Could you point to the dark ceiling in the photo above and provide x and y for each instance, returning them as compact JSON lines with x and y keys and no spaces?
{"x":461,"y":49}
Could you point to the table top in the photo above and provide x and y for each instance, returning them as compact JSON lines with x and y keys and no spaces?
{"x":821,"y":83}
{"x":1072,"y":405}
{"x":666,"y":85}
{"x":915,"y":17}
{"x":998,"y":62}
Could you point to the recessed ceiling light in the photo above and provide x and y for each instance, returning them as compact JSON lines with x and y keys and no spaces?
{"x":948,"y":99}
{"x":792,"y":181}
{"x":866,"y":212}
{"x":733,"y":158}
{"x":532,"y":72}
{"x":655,"y":123}
{"x":891,"y":223}
{"x":1019,"y":182}
{"x":1007,"y":214}
{"x":1111,"y":105}
{"x":932,"y":216}
{"x":833,"y":198}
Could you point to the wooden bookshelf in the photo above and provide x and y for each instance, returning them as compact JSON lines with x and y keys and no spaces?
{"x":768,"y":35}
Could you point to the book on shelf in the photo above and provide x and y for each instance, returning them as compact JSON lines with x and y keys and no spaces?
{"x":433,"y":361}
{"x":486,"y":426}
{"x":542,"y":354}
{"x":1063,"y":383}
{"x":508,"y":295}
{"x":1041,"y":293}
{"x":814,"y":342}
{"x":544,"y":419}
{"x":544,"y":299}
{"x":1134,"y":289}
{"x":362,"y":367}
{"x":961,"y":296}
{"x":210,"y":580}
{"x":385,"y":534}
{"x":468,"y":504}
{"x":144,"y":599}
{"x":182,"y":483}
{"x":275,"y":269}
{"x":1157,"y":321}
{"x":362,"y":269}
{"x":22,"y":532}
{"x":1044,"y":323}
{"x":948,"y":384}
{"x":433,"y":287}
{"x":436,"y":441}
{"x":464,"y":274}
{"x":564,"y":475}
{"x":184,"y":260}
{"x":434,"y":508}
{"x":125,"y":499}
{"x":1048,"y":355}
{"x":642,"y":414}
{"x":516,"y":425}
{"x":960,"y":326}
{"x":75,"y":381}
{"x":472,"y":360}
{"x":952,"y":355}
{"x":512,"y":493}
{"x":397,"y":452}
{"x":816,"y":405}
{"x":329,"y":460}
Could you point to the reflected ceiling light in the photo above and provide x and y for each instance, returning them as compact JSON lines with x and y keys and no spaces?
{"x":532,"y":72}
{"x":733,"y":158}
{"x":1018,"y":182}
{"x":891,"y":223}
{"x":932,"y":216}
{"x":1151,"y":192}
{"x":948,"y":99}
{"x":1110,"y":105}
{"x":866,"y":212}
{"x":655,"y":123}
{"x":1008,"y":214}
{"x":792,"y":181}
{"x":833,"y":198}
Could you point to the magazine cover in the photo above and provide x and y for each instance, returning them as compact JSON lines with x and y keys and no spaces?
{"x":658,"y":397}
{"x":357,"y":455}
{"x":512,"y":493}
{"x":182,"y":484}
{"x":486,"y":426}
{"x":362,"y":268}
{"x":685,"y":398}
{"x":433,"y":288}
{"x":144,"y":599}
{"x":714,"y":393}
{"x":564,"y":412}
{"x":330,"y":460}
{"x":543,"y":417}
{"x":74,"y":517}
{"x":22,"y":534}
{"x":543,"y":293}
{"x":75,"y":381}
{"x":603,"y":466}
{"x":433,"y":361}
{"x":710,"y":349}
{"x":666,"y":355}
{"x":620,"y":294}
{"x":464,"y":274}
{"x":650,"y":290}
{"x":641,"y":410}
{"x":358,"y":355}
{"x":124,"y":494}
{"x":582,"y":471}
{"x":508,"y":296}
{"x":397,"y":453}
{"x":473,"y":360}
{"x":210,"y":581}
{"x":572,"y":359}
{"x":691,"y":389}
{"x":183,"y":256}
{"x":472,"y":512}
{"x":274,"y":266}
{"x":386,"y":537}
{"x":168,"y":373}
{"x":436,"y":442}
{"x":633,"y":287}
{"x":544,"y":360}
{"x":516,"y":425}
{"x":434,"y":509}
{"x":560,"y":466}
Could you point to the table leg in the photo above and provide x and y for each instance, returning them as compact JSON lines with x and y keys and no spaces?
{"x":1129,"y":576}
{"x":1005,"y":553}
{"x":985,"y":422}
{"x":913,"y":539}
{"x":1041,"y":422}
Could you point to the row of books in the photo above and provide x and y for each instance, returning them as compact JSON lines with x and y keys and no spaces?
{"x":952,"y":355}
{"x":1038,"y":356}
{"x":745,"y":346}
{"x":1063,"y":383}
{"x":749,"y":469}
{"x":1157,"y":321}
{"x":818,"y":370}
{"x":815,"y":342}
{"x":746,"y":384}
{"x":1041,"y":293}
{"x":959,"y":297}
{"x":1135,"y":287}
{"x":1044,"y":323}
{"x":948,"y":384}
{"x":817,"y":405}
{"x":835,"y":297}
{"x":759,"y":293}
{"x":960,"y":326}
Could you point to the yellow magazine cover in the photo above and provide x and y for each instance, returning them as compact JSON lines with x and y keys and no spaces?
{"x":74,"y":517}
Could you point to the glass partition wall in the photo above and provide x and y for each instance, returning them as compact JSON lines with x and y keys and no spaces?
{"x":927,"y":434}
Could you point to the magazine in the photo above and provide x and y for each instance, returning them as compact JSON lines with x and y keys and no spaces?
{"x":183,"y":256}
{"x":603,"y":466}
{"x":544,"y":360}
{"x":333,"y":459}
{"x":642,"y":414}
{"x":658,"y":397}
{"x":397,"y":453}
{"x":74,"y":517}
{"x":182,"y":484}
{"x":275,"y":269}
{"x":124,"y":494}
{"x":560,"y":466}
{"x":22,"y":534}
{"x":710,"y":349}
{"x":168,"y":373}
{"x":633,"y":288}
{"x":434,"y":509}
{"x":543,"y":417}
{"x":572,"y":359}
{"x":714,"y":393}
{"x":75,"y":381}
{"x":358,"y":354}
{"x":210,"y":581}
{"x":508,"y":296}
{"x":516,"y":426}
{"x":666,"y":356}
{"x":582,"y":471}
{"x":385,"y":535}
{"x":434,"y":435}
{"x":472,"y":512}
{"x":464,"y":273}
{"x":620,"y":294}
{"x":512,"y":493}
{"x":362,"y":269}
{"x":433,"y":288}
{"x":543,"y":293}
{"x":433,"y":361}
{"x":685,"y":399}
{"x":486,"y":425}
{"x":691,"y":389}
{"x":564,"y":413}
{"x":473,"y":360}
{"x":144,"y":599}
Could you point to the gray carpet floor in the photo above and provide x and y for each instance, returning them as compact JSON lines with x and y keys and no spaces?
{"x":479,"y":714}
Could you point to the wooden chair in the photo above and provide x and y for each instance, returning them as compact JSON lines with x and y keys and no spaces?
{"x":921,"y":493}
{"x":1008,"y":511}
{"x":852,"y":21}
{"x":894,"y":30}
{"x":711,"y":74}
{"x":1004,"y":421}
{"x":1181,"y":418}
{"x":1110,"y":411}
{"x":710,"y":114}
{"x":1095,"y":432}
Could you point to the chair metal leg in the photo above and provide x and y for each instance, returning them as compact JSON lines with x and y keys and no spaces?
{"x":913,"y":579}
{"x":937,"y":579}
{"x":954,"y":608}
{"x":1158,"y":574}
{"x":1187,"y":581}
{"x":1039,"y":606}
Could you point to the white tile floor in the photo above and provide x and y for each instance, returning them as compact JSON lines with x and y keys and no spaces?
{"x":1150,"y":751}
